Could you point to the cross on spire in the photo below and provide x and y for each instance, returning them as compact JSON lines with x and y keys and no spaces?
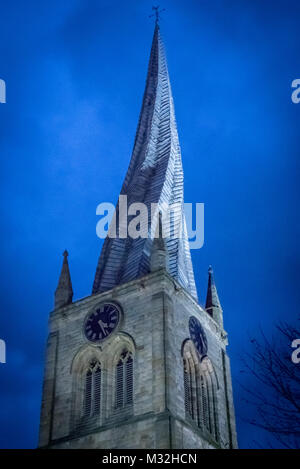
{"x":157,"y":13}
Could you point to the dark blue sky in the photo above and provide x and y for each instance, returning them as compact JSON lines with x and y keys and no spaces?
{"x":75,"y":76}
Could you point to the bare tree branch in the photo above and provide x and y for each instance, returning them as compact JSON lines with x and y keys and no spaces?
{"x":275,"y":390}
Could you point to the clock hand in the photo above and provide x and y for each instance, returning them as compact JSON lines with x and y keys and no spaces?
{"x":102,"y":325}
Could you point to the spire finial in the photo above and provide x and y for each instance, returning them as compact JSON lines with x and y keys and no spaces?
{"x":64,"y":291}
{"x":159,"y":240}
{"x":159,"y":252}
{"x":157,"y":13}
{"x":213,"y":305}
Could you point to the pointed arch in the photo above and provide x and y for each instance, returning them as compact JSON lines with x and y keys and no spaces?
{"x":84,"y":356}
{"x":87,"y":370}
{"x":200,"y":390}
{"x":103,"y":382}
{"x":120,"y":361}
{"x":123,"y":374}
{"x":212,"y":386}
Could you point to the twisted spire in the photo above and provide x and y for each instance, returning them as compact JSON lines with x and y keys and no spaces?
{"x":154,"y":175}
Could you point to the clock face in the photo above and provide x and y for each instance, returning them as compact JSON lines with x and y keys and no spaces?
{"x":102,"y":322}
{"x":198,"y":335}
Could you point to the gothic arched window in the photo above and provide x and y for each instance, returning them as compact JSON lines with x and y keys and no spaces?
{"x":200,"y":390}
{"x":92,"y":389}
{"x":124,"y":380}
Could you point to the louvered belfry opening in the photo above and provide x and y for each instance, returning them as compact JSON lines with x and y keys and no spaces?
{"x":200,"y":392}
{"x":205,"y":403}
{"x":92,"y":394}
{"x":188,"y":397}
{"x":124,"y":381}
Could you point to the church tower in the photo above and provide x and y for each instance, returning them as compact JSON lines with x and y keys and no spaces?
{"x":139,"y":363}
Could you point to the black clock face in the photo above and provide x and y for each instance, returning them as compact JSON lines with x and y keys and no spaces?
{"x":102,"y":322}
{"x":198,"y":335}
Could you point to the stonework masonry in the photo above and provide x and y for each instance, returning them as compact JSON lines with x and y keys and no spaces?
{"x":156,"y":311}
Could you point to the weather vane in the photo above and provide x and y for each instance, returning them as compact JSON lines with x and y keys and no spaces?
{"x":157,"y":13}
